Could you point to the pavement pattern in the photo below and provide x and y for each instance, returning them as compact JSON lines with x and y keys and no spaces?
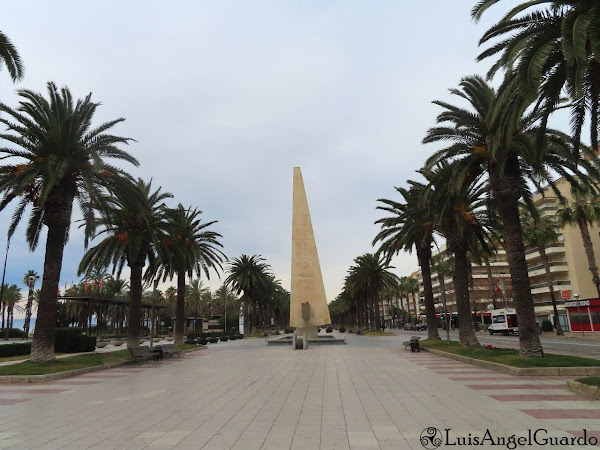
{"x":367,"y":394}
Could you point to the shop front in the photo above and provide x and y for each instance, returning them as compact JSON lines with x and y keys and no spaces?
{"x":584,"y":314}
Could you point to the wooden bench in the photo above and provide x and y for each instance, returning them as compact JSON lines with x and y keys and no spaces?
{"x":169,"y":350}
{"x":143,"y":353}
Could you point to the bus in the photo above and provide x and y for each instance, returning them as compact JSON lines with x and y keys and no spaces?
{"x":504,"y":321}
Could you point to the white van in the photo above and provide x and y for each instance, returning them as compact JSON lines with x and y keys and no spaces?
{"x":504,"y":321}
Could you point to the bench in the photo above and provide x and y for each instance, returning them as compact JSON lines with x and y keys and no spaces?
{"x":169,"y":350}
{"x":143,"y":353}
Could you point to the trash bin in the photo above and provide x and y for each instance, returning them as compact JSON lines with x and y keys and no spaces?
{"x":414,"y":344}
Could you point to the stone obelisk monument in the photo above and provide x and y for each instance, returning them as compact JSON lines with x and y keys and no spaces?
{"x":308,"y":305}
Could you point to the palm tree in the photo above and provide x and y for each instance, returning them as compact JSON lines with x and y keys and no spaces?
{"x":510,"y":156}
{"x":443,"y":266}
{"x":9,"y":56}
{"x":538,"y":231}
{"x":412,"y":287}
{"x":583,"y":210}
{"x":410,"y":226}
{"x":12,"y":296}
{"x":249,"y":276}
{"x":369,"y":277}
{"x":190,"y":249}
{"x":29,"y":280}
{"x":65,"y":158}
{"x":133,"y":223}
{"x":465,"y":219}
{"x":552,"y":46}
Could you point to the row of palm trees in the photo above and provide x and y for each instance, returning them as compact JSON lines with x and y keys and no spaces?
{"x":369,"y":288}
{"x":499,"y":147}
{"x":262,"y":295}
{"x":63,"y":159}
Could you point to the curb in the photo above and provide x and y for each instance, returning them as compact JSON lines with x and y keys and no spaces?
{"x":519,"y":371}
{"x":9,"y":379}
{"x":580,"y":388}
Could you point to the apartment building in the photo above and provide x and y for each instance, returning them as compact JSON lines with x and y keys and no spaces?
{"x":577,"y":299}
{"x":569,"y":269}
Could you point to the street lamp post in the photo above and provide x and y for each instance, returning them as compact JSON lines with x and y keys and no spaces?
{"x":225,"y":316}
{"x":152,"y":314}
{"x":579,"y":314}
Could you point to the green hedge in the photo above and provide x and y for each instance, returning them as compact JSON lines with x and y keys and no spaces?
{"x":21,"y":348}
{"x":71,"y":340}
{"x":12,"y":333}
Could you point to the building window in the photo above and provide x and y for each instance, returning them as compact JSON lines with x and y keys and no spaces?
{"x":564,"y":323}
{"x":596,"y":317}
{"x":579,"y":319}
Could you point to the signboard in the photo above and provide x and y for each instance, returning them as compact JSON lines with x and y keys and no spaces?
{"x":565,"y":295}
{"x":241,"y":321}
{"x":577,"y":304}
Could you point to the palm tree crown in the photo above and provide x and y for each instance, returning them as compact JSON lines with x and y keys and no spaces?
{"x":9,"y":56}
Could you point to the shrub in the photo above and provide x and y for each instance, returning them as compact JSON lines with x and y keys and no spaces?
{"x":21,"y":348}
{"x":329,"y":329}
{"x":342,"y":329}
{"x":71,"y":340}
{"x":547,"y":326}
{"x":12,"y":333}
{"x":350,"y":330}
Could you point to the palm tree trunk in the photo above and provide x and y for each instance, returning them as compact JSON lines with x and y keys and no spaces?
{"x":42,"y":349}
{"x":180,"y":318}
{"x":466,"y":332}
{"x":507,"y":192}
{"x":28,"y":311}
{"x":446,"y":316}
{"x":589,"y":252}
{"x":424,"y":257}
{"x":135,"y":305}
{"x":546,"y":263}
{"x":254,"y":316}
{"x":490,"y":280}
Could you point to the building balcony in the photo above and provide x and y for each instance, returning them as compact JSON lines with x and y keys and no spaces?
{"x":542,"y":288}
{"x":551,"y":249}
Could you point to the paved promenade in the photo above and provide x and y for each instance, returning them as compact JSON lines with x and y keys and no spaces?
{"x":245,"y":395}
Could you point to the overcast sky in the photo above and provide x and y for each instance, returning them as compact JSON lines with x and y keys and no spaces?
{"x":225,"y":98}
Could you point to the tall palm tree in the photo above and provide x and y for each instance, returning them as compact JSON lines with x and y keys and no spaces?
{"x":412,"y":287}
{"x":510,"y":156}
{"x":190,"y":249}
{"x":29,"y":280}
{"x":583,"y":210}
{"x":63,"y":158}
{"x":443,"y":266}
{"x":9,"y":56}
{"x":369,"y":277}
{"x":133,"y":224}
{"x":552,"y":46}
{"x":538,"y":231}
{"x":249,"y":276}
{"x":410,"y":226}
{"x":465,"y":219}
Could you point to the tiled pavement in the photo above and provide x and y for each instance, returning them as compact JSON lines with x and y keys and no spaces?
{"x":245,"y":395}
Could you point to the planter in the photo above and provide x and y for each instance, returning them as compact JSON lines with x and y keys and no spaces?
{"x":224,"y":338}
{"x":191,"y":341}
{"x":240,"y":336}
{"x":116,"y":343}
{"x":233,"y":338}
{"x":202,"y":341}
{"x":213,"y":340}
{"x":170,"y":338}
{"x":101,"y":344}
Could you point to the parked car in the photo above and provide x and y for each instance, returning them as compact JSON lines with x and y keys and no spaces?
{"x":409,"y":327}
{"x":420,"y":327}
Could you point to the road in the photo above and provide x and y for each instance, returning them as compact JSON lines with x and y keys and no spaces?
{"x":588,"y":348}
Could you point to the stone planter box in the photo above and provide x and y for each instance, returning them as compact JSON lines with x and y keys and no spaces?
{"x":580,"y":388}
{"x":224,"y":338}
{"x":170,"y":338}
{"x":213,"y":340}
{"x":117,"y":343}
{"x":101,"y":344}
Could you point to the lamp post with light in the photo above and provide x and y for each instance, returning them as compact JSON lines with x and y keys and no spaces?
{"x":579,"y":314}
